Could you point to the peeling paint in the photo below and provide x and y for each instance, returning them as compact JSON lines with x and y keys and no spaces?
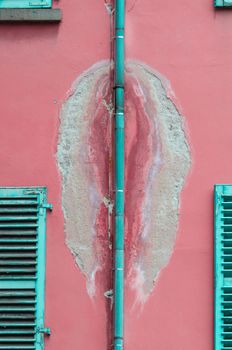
{"x":157,"y":161}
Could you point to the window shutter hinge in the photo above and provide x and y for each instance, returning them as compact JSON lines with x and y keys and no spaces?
{"x":47,"y":206}
{"x":43,"y":330}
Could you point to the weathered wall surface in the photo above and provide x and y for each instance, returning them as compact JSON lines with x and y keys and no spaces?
{"x":190,"y":45}
{"x":157,"y":159}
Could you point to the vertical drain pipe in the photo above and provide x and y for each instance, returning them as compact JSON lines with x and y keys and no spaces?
{"x":119,"y":176}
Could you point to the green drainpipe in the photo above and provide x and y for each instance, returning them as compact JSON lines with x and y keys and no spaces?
{"x":119,"y":176}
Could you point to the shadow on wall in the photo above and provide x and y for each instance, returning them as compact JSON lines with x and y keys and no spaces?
{"x":157,"y":160}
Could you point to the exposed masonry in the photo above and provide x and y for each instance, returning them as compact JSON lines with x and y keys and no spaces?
{"x":83,"y":166}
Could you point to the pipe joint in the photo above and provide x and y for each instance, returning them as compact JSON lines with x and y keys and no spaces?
{"x":119,"y":123}
{"x":118,"y":342}
{"x":119,"y":86}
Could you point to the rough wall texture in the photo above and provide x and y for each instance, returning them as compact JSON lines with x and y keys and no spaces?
{"x":157,"y":160}
{"x":82,"y":158}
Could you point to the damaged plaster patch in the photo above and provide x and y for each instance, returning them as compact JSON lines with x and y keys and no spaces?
{"x":157,"y":160}
{"x":81,"y":195}
{"x":165,"y":180}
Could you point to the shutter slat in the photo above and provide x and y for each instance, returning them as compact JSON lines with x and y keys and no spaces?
{"x":18,"y":218}
{"x":16,"y":255}
{"x":15,"y":324}
{"x":18,"y":316}
{"x":16,"y":347}
{"x":17,"y":233}
{"x":16,"y":340}
{"x":16,"y":301}
{"x":8,"y":270}
{"x":18,"y":248}
{"x":18,"y":210}
{"x":20,"y":308}
{"x":17,"y":293}
{"x":14,"y":225}
{"x":22,"y":277}
{"x":18,"y":202}
{"x":17,"y":262}
{"x":12,"y":331}
{"x":18,"y":240}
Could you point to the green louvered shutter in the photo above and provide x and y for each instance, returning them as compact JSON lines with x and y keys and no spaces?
{"x":223,"y":266}
{"x":22,"y":267}
{"x":25,"y":3}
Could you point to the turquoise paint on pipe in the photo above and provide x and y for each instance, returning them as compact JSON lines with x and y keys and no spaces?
{"x":119,"y":176}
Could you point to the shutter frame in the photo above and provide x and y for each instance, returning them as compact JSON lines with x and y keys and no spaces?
{"x":19,"y":284}
{"x":222,"y":268}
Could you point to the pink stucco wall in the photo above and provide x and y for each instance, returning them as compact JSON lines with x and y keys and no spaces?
{"x":189,"y":43}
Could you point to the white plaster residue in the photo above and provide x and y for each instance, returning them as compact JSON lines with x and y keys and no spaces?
{"x":166,"y":179}
{"x":81,"y":198}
